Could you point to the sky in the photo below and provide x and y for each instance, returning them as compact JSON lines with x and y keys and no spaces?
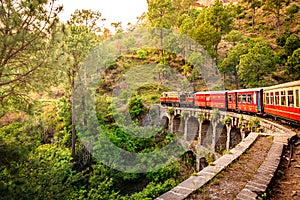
{"x":113,"y":10}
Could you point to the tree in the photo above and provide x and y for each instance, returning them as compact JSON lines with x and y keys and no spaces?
{"x":211,"y":24}
{"x":78,"y":42}
{"x":291,"y":44}
{"x":293,"y":65}
{"x":254,"y":4}
{"x":161,"y":14}
{"x":275,"y":6}
{"x":183,"y":5}
{"x":88,"y":18}
{"x":256,"y":65}
{"x":27,"y":38}
{"x":231,"y":62}
{"x":117,"y":26}
{"x":292,"y":10}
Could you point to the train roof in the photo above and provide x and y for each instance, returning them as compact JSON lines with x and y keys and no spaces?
{"x":174,"y":92}
{"x":246,"y":90}
{"x":212,"y":92}
{"x":284,"y":85}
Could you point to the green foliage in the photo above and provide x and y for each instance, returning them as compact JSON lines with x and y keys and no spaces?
{"x":171,"y":111}
{"x":234,"y":36}
{"x":46,"y":167}
{"x":254,"y":123}
{"x":292,"y":43}
{"x":154,"y":189}
{"x":253,"y":4}
{"x":293,"y":65}
{"x":201,"y":116}
{"x":29,"y":39}
{"x":215,"y":115}
{"x":227,"y":120}
{"x":186,"y":69}
{"x":136,"y":106}
{"x":142,"y":54}
{"x":256,"y":65}
{"x":87,"y":18}
{"x":195,"y":74}
{"x":293,"y":9}
{"x":64,"y":115}
{"x":275,"y":7}
{"x":281,"y":40}
{"x":171,"y":171}
{"x":161,"y":14}
{"x":230,"y":63}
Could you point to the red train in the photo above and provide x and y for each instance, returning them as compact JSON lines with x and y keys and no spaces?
{"x":280,"y":100}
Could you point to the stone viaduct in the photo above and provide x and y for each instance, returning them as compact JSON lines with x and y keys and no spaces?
{"x":206,"y":130}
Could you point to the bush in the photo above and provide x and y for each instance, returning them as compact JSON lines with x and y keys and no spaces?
{"x":142,"y":54}
{"x":136,"y":106}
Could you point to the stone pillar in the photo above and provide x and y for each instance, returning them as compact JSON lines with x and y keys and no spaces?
{"x":243,"y":133}
{"x":185,"y":133}
{"x":213,"y":143}
{"x":228,"y":128}
{"x":171,"y":124}
{"x":197,"y":163}
{"x":200,"y":121}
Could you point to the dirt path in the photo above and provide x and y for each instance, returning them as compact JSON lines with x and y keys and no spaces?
{"x":286,"y":184}
{"x":229,"y":183}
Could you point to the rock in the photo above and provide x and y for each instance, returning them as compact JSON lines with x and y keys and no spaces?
{"x":294,"y":193}
{"x":297,"y":166}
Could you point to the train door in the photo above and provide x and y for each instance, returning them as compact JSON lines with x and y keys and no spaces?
{"x":258,"y":102}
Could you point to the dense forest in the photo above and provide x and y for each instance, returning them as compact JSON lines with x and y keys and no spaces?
{"x":253,"y":43}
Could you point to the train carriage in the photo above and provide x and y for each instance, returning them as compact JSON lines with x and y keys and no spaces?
{"x":186,"y":99}
{"x":247,"y":100}
{"x":170,"y":99}
{"x":213,"y":99}
{"x":283,"y":100}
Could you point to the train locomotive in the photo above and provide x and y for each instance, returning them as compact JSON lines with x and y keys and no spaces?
{"x":279,"y":100}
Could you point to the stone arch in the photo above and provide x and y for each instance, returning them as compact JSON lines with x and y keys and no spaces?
{"x":202,"y":163}
{"x":165,"y":122}
{"x":190,"y":158}
{"x":192,"y":128}
{"x":205,"y":133}
{"x":221,"y":137}
{"x":235,"y":136}
{"x":178,"y":125}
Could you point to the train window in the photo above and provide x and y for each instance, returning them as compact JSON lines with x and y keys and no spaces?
{"x":291,"y":98}
{"x":244,"y":98}
{"x":297,"y":98}
{"x":239,"y":98}
{"x":249,"y":98}
{"x":277,"y":98}
{"x":283,"y":98}
{"x":230,"y":98}
{"x":268,"y":98}
{"x":272,"y":98}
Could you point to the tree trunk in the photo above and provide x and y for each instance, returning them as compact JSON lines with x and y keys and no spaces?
{"x":73,"y":120}
{"x":253,"y":19}
{"x":217,"y":57}
{"x":278,"y":20}
{"x":236,"y":79}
